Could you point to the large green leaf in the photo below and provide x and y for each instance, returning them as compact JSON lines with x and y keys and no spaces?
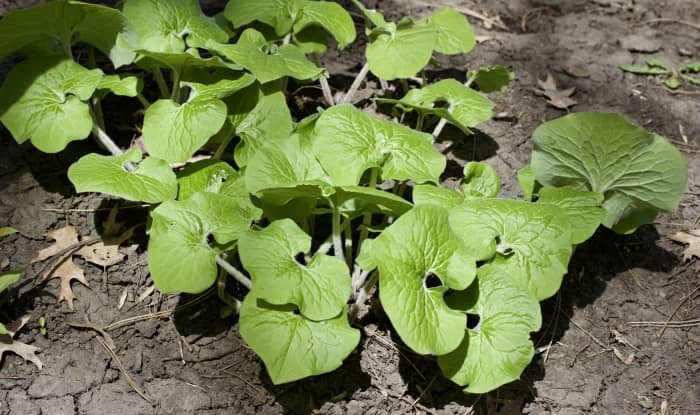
{"x":183,"y":61}
{"x":454,"y":34}
{"x":428,"y":194}
{"x":499,"y":348}
{"x":320,"y":288}
{"x":259,"y":115}
{"x":174,"y":132}
{"x":180,"y":255}
{"x":638,"y":172}
{"x":44,"y":100}
{"x":128,"y":86}
{"x":171,"y":26}
{"x":220,"y":84}
{"x":287,"y":16}
{"x":580,"y":207}
{"x":532,"y":241}
{"x":203,"y":176}
{"x":480,"y":180}
{"x":52,"y":28}
{"x":267,"y":62}
{"x":401,"y":53}
{"x":153,"y":181}
{"x":416,"y":249}
{"x":464,"y":108}
{"x":347,"y":141}
{"x":291,"y":346}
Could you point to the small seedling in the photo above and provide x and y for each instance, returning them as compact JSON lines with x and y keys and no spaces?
{"x":674,"y":77}
{"x":42,"y":326}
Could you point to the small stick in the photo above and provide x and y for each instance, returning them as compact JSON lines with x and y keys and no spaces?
{"x":234,"y":272}
{"x":325,"y":87}
{"x":127,"y":377}
{"x":356,"y":84}
{"x":667,"y":20}
{"x":675,"y":310}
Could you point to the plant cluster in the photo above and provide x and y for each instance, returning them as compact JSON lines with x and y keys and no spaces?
{"x":674,"y":77}
{"x":310,"y":215}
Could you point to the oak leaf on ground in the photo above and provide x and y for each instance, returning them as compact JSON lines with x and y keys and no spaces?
{"x":692,"y":239}
{"x":558,"y":98}
{"x":25,"y":351}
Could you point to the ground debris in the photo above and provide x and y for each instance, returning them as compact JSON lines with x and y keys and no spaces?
{"x":25,"y":351}
{"x":692,"y":239}
{"x":558,"y":98}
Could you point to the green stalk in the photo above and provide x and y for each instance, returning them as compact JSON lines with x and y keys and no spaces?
{"x":347,"y":231}
{"x":337,"y":235}
{"x":356,"y":84}
{"x":160,"y":80}
{"x":96,"y":104}
{"x":325,"y":87}
{"x":175,"y":96}
{"x":142,"y":99}
{"x":234,"y":272}
{"x":222,"y":147}
{"x":367,"y":219}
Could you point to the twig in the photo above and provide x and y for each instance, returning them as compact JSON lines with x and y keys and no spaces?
{"x":234,"y":272}
{"x":594,"y":338}
{"x":667,"y":20}
{"x":325,"y":87}
{"x":670,"y":324}
{"x":675,"y":310}
{"x":127,"y":377}
{"x":356,"y":84}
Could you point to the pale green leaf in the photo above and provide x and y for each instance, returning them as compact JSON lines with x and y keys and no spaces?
{"x":417,"y":247}
{"x":689,"y":67}
{"x":329,"y":15}
{"x":174,"y":132}
{"x":267,"y":62}
{"x":352,"y":201}
{"x":171,"y":26}
{"x":465,"y":108}
{"x":52,"y":28}
{"x":180,"y":256}
{"x":182,"y":61}
{"x":581,"y":207}
{"x":203,"y":176}
{"x":492,"y":78}
{"x":128,"y":86}
{"x":219,"y":85}
{"x":347,"y":142}
{"x":320,"y":288}
{"x":638,"y":172}
{"x":499,"y":349}
{"x":291,"y":346}
{"x":3,"y":329}
{"x":673,"y":82}
{"x":44,"y":100}
{"x":643,"y":70}
{"x":260,"y":115}
{"x":454,"y":34}
{"x":528,"y":184}
{"x":153,"y":181}
{"x":480,"y":180}
{"x":274,"y":13}
{"x":402,"y":53}
{"x":7,"y":230}
{"x":532,"y":241}
{"x":428,"y":194}
{"x":8,"y":278}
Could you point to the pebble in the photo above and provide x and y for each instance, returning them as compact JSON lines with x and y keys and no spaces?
{"x":638,"y":43}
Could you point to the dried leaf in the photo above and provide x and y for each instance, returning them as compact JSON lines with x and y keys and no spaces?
{"x":101,"y":254}
{"x":556,"y":97}
{"x":25,"y":351}
{"x":67,"y":271}
{"x":692,"y":239}
{"x":64,"y":238}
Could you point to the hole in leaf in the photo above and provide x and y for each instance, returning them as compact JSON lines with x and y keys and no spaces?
{"x":498,"y":239}
{"x":300,"y":258}
{"x":210,"y":240}
{"x":473,"y":321}
{"x":432,"y":281}
{"x":296,"y":312}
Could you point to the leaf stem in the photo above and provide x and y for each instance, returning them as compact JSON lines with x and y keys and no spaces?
{"x":337,"y":235}
{"x":441,"y":124}
{"x":222,"y":147}
{"x":175,"y":96}
{"x":347,"y":231}
{"x":142,"y":99}
{"x":325,"y":87}
{"x":104,"y":139}
{"x":227,"y":298}
{"x":356,"y":84}
{"x":160,"y":80}
{"x":234,"y":272}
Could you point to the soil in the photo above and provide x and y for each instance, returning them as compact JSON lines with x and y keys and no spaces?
{"x":589,"y":359}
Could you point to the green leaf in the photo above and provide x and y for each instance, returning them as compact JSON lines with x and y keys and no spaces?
{"x":689,"y":67}
{"x":183,"y":61}
{"x":153,"y":181}
{"x":171,"y":26}
{"x":466,"y":108}
{"x":320,"y":288}
{"x":329,"y":15}
{"x":218,"y":85}
{"x":6,"y":231}
{"x":274,"y":13}
{"x":8,"y":278}
{"x":499,"y":349}
{"x":454,"y":34}
{"x":638,"y":172}
{"x":401,"y":53}
{"x":203,"y":176}
{"x":582,"y":209}
{"x":352,"y":201}
{"x":260,"y":115}
{"x":673,"y":82}
{"x":348,"y":141}
{"x":643,"y":70}
{"x":480,"y":180}
{"x":532,"y":241}
{"x":267,"y":62}
{"x":128,"y":86}
{"x":174,"y":132}
{"x":416,"y":248}
{"x":691,"y":79}
{"x":311,"y":39}
{"x":291,"y":346}
{"x":428,"y":194}
{"x":44,"y":100}
{"x":52,"y":28}
{"x":180,"y":257}
{"x":3,"y":329}
{"x":526,"y":179}
{"x":492,"y":78}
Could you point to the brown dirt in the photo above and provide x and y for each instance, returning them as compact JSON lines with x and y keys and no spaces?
{"x":589,"y":360}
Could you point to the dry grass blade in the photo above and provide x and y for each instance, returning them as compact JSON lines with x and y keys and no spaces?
{"x":119,"y":363}
{"x":675,"y":310}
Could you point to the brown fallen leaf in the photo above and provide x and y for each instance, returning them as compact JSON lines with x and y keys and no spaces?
{"x":101,"y":254}
{"x":67,"y":271}
{"x":25,"y":351}
{"x":692,"y":239}
{"x":558,"y":98}
{"x":63,"y":238}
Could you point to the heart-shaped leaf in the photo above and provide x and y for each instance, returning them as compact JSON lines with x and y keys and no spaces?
{"x":480,"y":180}
{"x":347,"y":141}
{"x":52,"y":28}
{"x":499,"y":348}
{"x":454,"y":34}
{"x":153,"y":181}
{"x":419,"y":259}
{"x":44,"y":100}
{"x":401,"y":53}
{"x":638,"y":172}
{"x":292,"y":346}
{"x":582,"y":209}
{"x":128,"y":86}
{"x":203,"y":176}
